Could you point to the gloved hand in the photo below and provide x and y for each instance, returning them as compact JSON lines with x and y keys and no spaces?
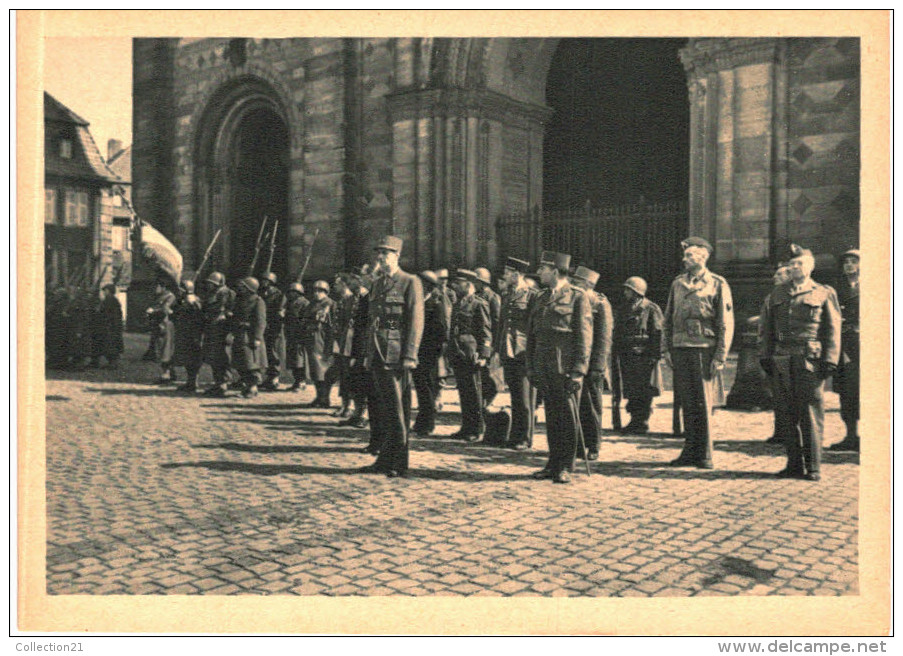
{"x":407,"y":364}
{"x":767,"y":365}
{"x":715,"y":367}
{"x":254,"y":343}
{"x":477,"y":360}
{"x":572,"y":385}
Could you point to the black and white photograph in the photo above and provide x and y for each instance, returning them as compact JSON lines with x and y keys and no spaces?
{"x":450,"y":317}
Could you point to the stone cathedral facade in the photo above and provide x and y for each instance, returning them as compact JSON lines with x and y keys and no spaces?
{"x":434,"y":139}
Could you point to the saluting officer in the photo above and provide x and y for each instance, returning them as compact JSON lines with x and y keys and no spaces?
{"x":799,"y":347}
{"x":599,"y":361}
{"x":318,"y":333}
{"x":217,"y":304}
{"x":188,"y":319}
{"x":636,"y":356}
{"x":437,"y":319}
{"x":696,"y":338}
{"x":395,"y":331}
{"x":846,"y":380}
{"x":249,"y":322}
{"x":469,"y":349}
{"x":559,"y":341}
{"x":295,"y":309}
{"x":274,"y":337}
{"x":511,"y":344}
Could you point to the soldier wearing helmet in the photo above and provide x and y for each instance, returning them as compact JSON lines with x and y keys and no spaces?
{"x":274,"y":337}
{"x":249,"y":322}
{"x":188,"y":319}
{"x":217,"y":302}
{"x":160,"y":317}
{"x":636,"y":356}
{"x":318,"y":333}
{"x":295,"y":307}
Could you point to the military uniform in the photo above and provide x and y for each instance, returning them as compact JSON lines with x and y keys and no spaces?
{"x":599,"y":364}
{"x":559,"y":341}
{"x":249,"y":322}
{"x":636,"y":360}
{"x":470,"y":340}
{"x":344,"y":311}
{"x":160,"y":318}
{"x":188,"y":320}
{"x":799,"y":347}
{"x":491,"y":376}
{"x":698,"y":328}
{"x":437,"y":319}
{"x":274,"y":337}
{"x":318,"y":333}
{"x":393,"y":340}
{"x":511,"y":345}
{"x":846,"y":380}
{"x":217,"y":306}
{"x":295,"y":309}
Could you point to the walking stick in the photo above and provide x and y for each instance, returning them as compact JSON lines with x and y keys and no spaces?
{"x":257,"y":247}
{"x":206,"y":256}
{"x":616,"y":393}
{"x":574,"y":403}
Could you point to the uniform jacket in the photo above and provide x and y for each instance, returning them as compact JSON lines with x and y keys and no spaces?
{"x":636,"y":350}
{"x":275,"y":302}
{"x":249,"y":322}
{"x":603,"y":325}
{"x":295,"y":309}
{"x":361,"y":322}
{"x":318,"y":334}
{"x":699,"y":314}
{"x":161,"y":325}
{"x":804,"y":322}
{"x":560,"y":332}
{"x":511,"y":337}
{"x":495,"y":305}
{"x":218,"y":306}
{"x":437,"y":313}
{"x":396,"y":320}
{"x":848,"y":295}
{"x":471,"y":333}
{"x":188,"y":318}
{"x":344,"y":311}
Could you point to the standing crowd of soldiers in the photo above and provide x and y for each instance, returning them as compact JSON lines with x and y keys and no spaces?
{"x":382,"y":334}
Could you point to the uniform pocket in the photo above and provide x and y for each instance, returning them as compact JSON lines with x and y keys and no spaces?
{"x":694,"y":328}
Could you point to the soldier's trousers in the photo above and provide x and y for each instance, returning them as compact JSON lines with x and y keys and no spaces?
{"x":392,"y":397}
{"x":799,"y":412}
{"x":694,"y":385}
{"x":215,"y":353}
{"x":470,"y":392}
{"x":640,"y":408}
{"x":426,"y":385}
{"x":523,"y":402}
{"x":847,"y":378}
{"x":591,"y":413}
{"x":562,"y":421}
{"x":275,"y":345}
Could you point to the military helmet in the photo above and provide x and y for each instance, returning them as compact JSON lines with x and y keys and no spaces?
{"x":270,"y":277}
{"x":321,"y":285}
{"x":296,"y":287}
{"x":216,"y":278}
{"x":483,"y":275}
{"x":250,"y":283}
{"x":637,"y":284}
{"x":188,"y":286}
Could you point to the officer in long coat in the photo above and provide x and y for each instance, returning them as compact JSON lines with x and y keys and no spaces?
{"x":846,"y":380}
{"x":188,"y":321}
{"x":318,"y":330}
{"x":696,"y":337}
{"x":511,"y":344}
{"x":295,"y":308}
{"x":799,"y":347}
{"x":159,"y":317}
{"x":559,"y":341}
{"x":469,"y":349}
{"x":436,"y":324}
{"x":108,"y":328}
{"x":217,"y":303}
{"x":636,"y":356}
{"x":393,"y":341}
{"x":249,"y":322}
{"x":274,"y":337}
{"x":598,"y":377}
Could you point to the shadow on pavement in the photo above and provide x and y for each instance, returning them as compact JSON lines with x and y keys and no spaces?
{"x":276,"y":448}
{"x":152,"y":391}
{"x":262,"y":470}
{"x":55,"y":397}
{"x":621,"y":469}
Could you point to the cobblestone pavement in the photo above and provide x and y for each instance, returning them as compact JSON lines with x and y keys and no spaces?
{"x":149,"y":492}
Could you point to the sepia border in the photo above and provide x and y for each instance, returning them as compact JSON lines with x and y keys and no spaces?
{"x":865,"y":614}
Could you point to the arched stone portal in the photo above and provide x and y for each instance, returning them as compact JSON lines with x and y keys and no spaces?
{"x":243,"y":158}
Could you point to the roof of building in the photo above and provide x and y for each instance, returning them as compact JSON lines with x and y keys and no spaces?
{"x":121,"y":164}
{"x":86,"y":162}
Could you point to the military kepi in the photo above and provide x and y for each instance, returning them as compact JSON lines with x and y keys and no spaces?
{"x":561,"y":261}
{"x":389,"y":243}
{"x":696,"y":241}
{"x":515,"y":264}
{"x":587,"y":274}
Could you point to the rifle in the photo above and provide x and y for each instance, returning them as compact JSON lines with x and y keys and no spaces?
{"x":257,"y":247}
{"x":206,"y":256}
{"x":310,"y":251}
{"x":272,"y":248}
